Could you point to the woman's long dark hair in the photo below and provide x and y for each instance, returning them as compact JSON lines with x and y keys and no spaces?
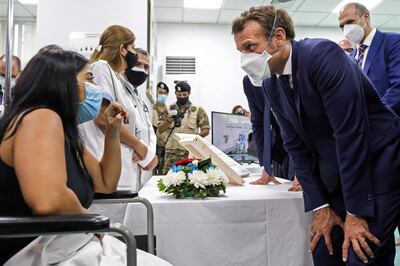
{"x":49,"y":81}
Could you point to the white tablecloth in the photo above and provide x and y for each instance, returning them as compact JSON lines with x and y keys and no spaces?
{"x":248,"y":226}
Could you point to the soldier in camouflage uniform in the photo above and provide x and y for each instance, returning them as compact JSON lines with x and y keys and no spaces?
{"x":194,"y":121}
{"x":160,"y":113}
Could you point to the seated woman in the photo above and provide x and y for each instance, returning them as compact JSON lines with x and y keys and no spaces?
{"x":44,"y":167}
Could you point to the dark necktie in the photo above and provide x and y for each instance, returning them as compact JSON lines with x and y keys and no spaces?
{"x":285,"y":83}
{"x":361,"y":53}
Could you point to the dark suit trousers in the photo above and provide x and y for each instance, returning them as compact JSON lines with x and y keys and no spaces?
{"x":383,"y":225}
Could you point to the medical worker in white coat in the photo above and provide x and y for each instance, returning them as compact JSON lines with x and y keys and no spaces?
{"x":114,"y":55}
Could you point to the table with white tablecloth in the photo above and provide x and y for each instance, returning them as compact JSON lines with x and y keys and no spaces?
{"x":248,"y":226}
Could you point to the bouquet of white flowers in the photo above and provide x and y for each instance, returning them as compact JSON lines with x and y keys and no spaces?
{"x":193,"y":178}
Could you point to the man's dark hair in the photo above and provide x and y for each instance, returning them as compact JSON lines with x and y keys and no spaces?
{"x":360,"y":8}
{"x":15,"y":59}
{"x":49,"y":81}
{"x":265,"y":16}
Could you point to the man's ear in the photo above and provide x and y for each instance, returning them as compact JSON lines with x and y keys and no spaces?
{"x":280,"y":36}
{"x":367,"y":17}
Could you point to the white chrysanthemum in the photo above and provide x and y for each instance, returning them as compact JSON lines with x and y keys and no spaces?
{"x":225,"y":180}
{"x":217,"y":177}
{"x":198,"y":179}
{"x":195,"y":162}
{"x":174,"y":179}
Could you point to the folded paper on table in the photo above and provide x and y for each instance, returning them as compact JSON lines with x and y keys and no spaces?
{"x":200,"y":148}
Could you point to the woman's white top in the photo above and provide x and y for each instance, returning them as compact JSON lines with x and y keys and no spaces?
{"x":139,"y":124}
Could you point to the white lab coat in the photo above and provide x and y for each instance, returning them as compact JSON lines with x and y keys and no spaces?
{"x":139,"y":124}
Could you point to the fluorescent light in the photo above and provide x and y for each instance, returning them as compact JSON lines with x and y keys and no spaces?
{"x":369,"y":4}
{"x":202,"y":4}
{"x":29,"y":2}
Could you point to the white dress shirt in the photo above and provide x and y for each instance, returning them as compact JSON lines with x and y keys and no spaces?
{"x":368,"y":42}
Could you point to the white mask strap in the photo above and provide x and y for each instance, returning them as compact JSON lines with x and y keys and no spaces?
{"x":273,"y":29}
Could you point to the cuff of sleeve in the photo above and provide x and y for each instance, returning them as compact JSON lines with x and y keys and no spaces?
{"x":361,"y":204}
{"x":349,"y":213}
{"x":268,"y":170}
{"x":149,"y":157}
{"x":321,"y":207}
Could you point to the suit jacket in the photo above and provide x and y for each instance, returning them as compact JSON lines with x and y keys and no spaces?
{"x":260,"y":121}
{"x":382,"y":66}
{"x":269,"y":144}
{"x":333,"y":126}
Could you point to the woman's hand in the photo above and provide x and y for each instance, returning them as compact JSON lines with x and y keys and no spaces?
{"x":152,"y":164}
{"x":115,"y":113}
{"x":141,"y":150}
{"x":136,"y":157}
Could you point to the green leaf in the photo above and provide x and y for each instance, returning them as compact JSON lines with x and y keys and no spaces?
{"x":161,"y":186}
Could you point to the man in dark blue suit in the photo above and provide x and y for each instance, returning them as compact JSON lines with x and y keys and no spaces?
{"x":260,"y":121}
{"x":377,"y":53}
{"x":267,"y":137}
{"x":343,"y":140}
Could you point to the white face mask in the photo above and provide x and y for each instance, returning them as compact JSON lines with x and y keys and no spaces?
{"x":256,"y":66}
{"x":354,"y":32}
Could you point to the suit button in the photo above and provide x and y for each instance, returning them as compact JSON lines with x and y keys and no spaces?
{"x":370,"y":197}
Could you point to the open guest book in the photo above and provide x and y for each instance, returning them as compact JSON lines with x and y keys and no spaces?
{"x":198,"y":147}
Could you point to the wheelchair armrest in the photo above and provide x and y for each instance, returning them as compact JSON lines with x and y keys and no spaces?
{"x":119,"y":194}
{"x":49,"y":224}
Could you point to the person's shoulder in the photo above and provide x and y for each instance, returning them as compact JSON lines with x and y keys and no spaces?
{"x":41,"y":119}
{"x":315,"y":49}
{"x":43,"y":116}
{"x":391,"y":39}
{"x":198,"y":109}
{"x":390,"y":35}
{"x":313,"y":44}
{"x":100,"y":65}
{"x":246,"y":79}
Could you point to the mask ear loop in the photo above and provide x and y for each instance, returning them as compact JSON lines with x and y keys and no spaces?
{"x":273,"y":28}
{"x":363,"y":19}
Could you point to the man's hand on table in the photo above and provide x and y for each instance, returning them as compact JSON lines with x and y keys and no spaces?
{"x":323,"y":222}
{"x":295,"y":185}
{"x":265,"y":179}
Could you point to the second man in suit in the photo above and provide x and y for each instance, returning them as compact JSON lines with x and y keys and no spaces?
{"x":377,"y":53}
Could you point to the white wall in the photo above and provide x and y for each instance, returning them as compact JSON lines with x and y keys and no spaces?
{"x":219,"y":76}
{"x":54,"y":23}
{"x":57,"y":18}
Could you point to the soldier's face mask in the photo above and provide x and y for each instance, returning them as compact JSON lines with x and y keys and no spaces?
{"x":182,"y":100}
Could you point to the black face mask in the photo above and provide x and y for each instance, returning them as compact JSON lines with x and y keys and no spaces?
{"x":131,"y":59}
{"x":182,"y":101}
{"x":135,"y":76}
